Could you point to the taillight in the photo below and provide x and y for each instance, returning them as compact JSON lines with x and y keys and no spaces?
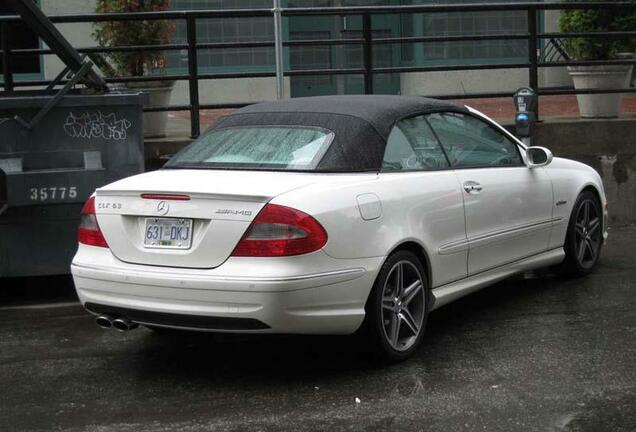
{"x":88,"y":232}
{"x":281,"y":231}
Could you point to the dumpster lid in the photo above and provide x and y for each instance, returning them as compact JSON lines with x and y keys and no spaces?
{"x":37,"y":99}
{"x":35,"y":19}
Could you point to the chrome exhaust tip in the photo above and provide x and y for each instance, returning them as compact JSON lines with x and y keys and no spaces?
{"x":124,"y":324}
{"x":104,"y":321}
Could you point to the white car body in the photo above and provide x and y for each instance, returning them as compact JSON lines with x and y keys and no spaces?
{"x":517,"y":223}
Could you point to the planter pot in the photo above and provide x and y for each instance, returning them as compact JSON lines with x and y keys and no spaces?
{"x":631,"y":82}
{"x":598,"y":78}
{"x":159,"y":93}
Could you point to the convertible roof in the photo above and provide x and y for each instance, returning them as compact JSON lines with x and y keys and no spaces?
{"x":381,"y":111}
{"x":361,"y":123}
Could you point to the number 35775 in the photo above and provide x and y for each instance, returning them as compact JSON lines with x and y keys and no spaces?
{"x":50,"y":193}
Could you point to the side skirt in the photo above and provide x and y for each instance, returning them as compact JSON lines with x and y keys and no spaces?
{"x":450,"y":292}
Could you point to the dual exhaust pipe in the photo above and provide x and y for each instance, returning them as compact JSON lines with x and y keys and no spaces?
{"x":121,"y":323}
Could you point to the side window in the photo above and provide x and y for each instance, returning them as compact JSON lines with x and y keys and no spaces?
{"x":470,"y":142}
{"x":412,"y":146}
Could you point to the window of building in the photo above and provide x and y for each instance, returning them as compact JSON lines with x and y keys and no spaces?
{"x":324,"y":57}
{"x":250,"y":29}
{"x":382,"y":53}
{"x":311,"y":57}
{"x":475,"y":23}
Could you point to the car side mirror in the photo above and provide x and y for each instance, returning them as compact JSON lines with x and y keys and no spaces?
{"x":538,"y":156}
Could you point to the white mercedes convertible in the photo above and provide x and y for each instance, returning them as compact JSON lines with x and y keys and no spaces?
{"x":333,"y":215}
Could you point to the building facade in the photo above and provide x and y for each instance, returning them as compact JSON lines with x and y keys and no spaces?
{"x":331,"y":56}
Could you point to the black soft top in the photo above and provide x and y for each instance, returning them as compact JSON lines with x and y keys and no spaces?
{"x":361,"y":123}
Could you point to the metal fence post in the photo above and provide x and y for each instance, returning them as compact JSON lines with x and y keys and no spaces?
{"x":6,"y":57}
{"x":278,"y":50}
{"x":193,"y":76}
{"x":367,"y":35}
{"x":533,"y":78}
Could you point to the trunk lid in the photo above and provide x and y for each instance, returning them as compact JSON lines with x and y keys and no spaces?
{"x":221,"y":206}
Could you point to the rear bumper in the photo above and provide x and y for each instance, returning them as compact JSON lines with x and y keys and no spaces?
{"x":311,"y":294}
{"x":177,"y":320}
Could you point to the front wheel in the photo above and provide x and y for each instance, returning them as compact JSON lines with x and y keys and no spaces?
{"x":397,"y":308}
{"x":584,"y":237}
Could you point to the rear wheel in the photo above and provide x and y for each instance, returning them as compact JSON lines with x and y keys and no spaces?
{"x":397,"y":308}
{"x":584,"y":237}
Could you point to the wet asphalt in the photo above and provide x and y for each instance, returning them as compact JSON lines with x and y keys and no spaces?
{"x":534,"y":353}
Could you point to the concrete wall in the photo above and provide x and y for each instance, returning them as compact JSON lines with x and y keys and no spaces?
{"x":609,"y":146}
{"x":229,"y":91}
{"x":477,"y":81}
{"x":462,"y":82}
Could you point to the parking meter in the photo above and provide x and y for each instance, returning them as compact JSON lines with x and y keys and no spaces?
{"x":526,"y":112}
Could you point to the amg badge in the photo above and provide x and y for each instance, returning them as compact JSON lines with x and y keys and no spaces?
{"x":234,"y":212}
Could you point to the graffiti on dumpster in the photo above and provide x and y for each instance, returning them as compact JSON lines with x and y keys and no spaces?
{"x":96,"y":125}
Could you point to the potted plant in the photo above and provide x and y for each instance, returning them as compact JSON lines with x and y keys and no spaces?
{"x":139,"y":63}
{"x":598,"y":77}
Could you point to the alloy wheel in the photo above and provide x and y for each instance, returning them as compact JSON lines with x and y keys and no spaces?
{"x":403,"y":305}
{"x":587,"y":233}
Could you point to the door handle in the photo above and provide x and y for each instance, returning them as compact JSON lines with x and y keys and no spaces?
{"x":472,"y":187}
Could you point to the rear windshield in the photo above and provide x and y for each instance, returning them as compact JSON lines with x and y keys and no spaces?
{"x":256,"y":147}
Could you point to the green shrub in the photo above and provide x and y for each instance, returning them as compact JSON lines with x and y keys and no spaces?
{"x":598,"y":20}
{"x":123,"y":33}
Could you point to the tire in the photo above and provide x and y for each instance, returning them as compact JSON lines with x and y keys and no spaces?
{"x":584,"y":237}
{"x":388,"y":310}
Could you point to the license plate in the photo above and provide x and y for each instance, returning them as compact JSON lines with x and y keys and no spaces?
{"x":168,"y":233}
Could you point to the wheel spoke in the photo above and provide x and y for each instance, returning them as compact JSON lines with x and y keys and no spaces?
{"x":410,"y":321}
{"x":403,"y":284}
{"x":579,"y":227}
{"x":411,"y":291}
{"x":586,"y":212}
{"x":387,"y":303}
{"x":591,"y":248}
{"x":581,"y":252}
{"x":399,"y":280}
{"x":395,"y":329}
{"x":593,"y":226}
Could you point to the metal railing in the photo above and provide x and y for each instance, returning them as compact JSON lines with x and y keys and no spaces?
{"x":532,"y":35}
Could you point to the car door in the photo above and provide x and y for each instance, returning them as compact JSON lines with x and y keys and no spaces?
{"x":421,"y":194}
{"x":508,"y":206}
